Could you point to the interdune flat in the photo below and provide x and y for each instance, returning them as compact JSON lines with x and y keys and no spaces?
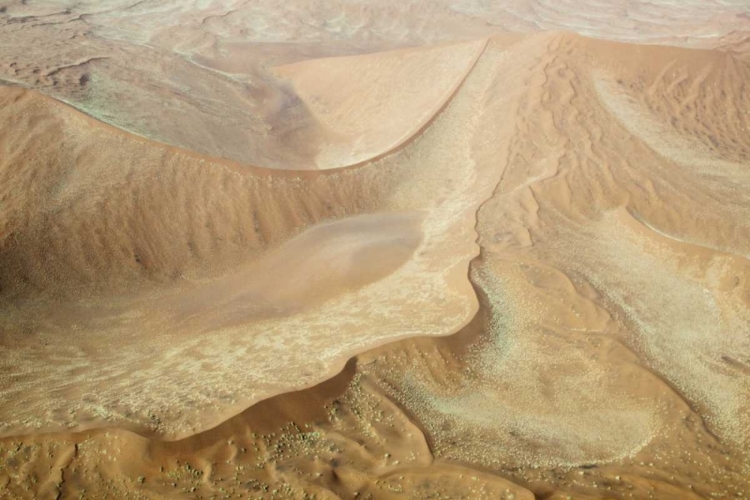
{"x":347,"y":250}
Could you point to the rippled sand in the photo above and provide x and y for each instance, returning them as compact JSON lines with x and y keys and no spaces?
{"x":360,"y":250}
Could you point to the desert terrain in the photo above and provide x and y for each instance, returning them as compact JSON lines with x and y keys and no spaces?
{"x":375,"y":250}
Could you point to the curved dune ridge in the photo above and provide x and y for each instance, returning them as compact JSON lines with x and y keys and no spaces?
{"x":354,"y":98}
{"x":530,"y":280}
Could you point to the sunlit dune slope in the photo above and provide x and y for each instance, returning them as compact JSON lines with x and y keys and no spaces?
{"x":367,"y":115}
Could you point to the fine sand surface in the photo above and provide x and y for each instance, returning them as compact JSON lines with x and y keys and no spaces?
{"x":350,"y":251}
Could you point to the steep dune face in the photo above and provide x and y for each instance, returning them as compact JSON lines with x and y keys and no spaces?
{"x":90,"y":207}
{"x":354,"y":98}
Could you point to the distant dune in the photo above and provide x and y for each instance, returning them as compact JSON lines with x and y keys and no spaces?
{"x":364,"y":257}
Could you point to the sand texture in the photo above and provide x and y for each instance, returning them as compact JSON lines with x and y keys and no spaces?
{"x":359,"y":250}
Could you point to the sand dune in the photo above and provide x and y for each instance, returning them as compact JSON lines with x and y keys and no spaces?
{"x":162,"y":280}
{"x":530,"y":279}
{"x":353,"y":97}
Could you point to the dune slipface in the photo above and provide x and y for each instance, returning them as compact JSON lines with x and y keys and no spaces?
{"x":356,"y":250}
{"x":354,"y":98}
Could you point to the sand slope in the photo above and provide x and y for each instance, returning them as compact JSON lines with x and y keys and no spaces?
{"x":355,"y":98}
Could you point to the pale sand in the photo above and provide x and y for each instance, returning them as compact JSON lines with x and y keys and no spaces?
{"x":353,"y":98}
{"x":594,"y":193}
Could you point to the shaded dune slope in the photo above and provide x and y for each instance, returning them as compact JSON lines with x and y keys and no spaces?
{"x":159,"y":212}
{"x":608,"y":186}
